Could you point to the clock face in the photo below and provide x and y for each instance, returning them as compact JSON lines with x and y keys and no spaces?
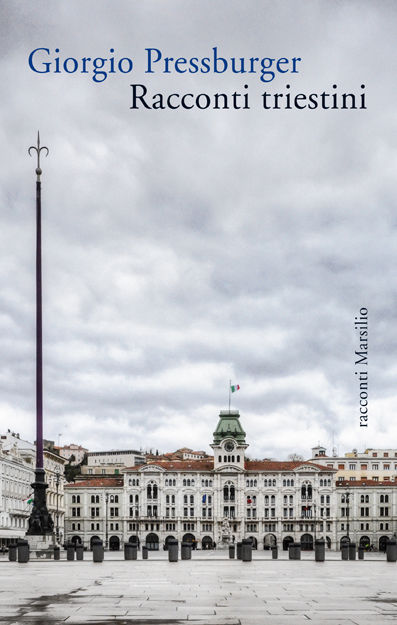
{"x":229,"y":446}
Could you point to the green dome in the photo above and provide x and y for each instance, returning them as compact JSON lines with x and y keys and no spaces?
{"x":229,"y":426}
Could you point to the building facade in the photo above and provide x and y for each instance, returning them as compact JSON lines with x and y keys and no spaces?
{"x":16,"y":476}
{"x":379,"y":465}
{"x":210,"y":501}
{"x":111,"y":462}
{"x":73,"y":453}
{"x":17,"y":462}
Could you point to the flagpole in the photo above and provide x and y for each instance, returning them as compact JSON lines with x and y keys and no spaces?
{"x":230,"y":390}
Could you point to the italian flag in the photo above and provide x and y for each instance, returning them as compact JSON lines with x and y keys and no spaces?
{"x":234,"y":387}
{"x":29,"y":499}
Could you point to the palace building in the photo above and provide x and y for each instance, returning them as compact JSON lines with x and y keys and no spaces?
{"x":208,"y":501}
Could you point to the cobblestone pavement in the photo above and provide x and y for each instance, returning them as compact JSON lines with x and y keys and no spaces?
{"x":207,"y":590}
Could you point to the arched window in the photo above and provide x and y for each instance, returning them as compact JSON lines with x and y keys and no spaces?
{"x":362,"y":499}
{"x":149,"y":491}
{"x":238,"y":458}
{"x":224,"y":459}
{"x":292,"y":482}
{"x":284,"y":483}
{"x":321,"y":482}
{"x":303,"y":491}
{"x":381,"y":499}
{"x":78,"y":499}
{"x":219,"y":458}
{"x":184,"y":482}
{"x":274,"y":482}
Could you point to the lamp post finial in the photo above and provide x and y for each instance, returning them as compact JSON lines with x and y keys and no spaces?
{"x":37,"y":148}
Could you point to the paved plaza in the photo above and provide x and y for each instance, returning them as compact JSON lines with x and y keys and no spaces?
{"x":209,"y":589}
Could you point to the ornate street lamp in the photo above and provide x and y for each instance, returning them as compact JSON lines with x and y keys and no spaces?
{"x":40,"y":521}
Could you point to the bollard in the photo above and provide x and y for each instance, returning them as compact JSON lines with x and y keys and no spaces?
{"x":12,"y":552}
{"x":239,"y":547}
{"x":97,"y":550}
{"x":173,"y":550}
{"x":352,"y":551}
{"x":145,"y":553}
{"x":79,"y":552}
{"x":360,"y":551}
{"x":391,"y":550}
{"x":294,"y":551}
{"x":274,"y":552}
{"x":344,"y":550}
{"x":23,"y":551}
{"x":128,"y":551}
{"x":246,"y":550}
{"x":186,"y":551}
{"x":232,"y":551}
{"x":70,"y":551}
{"x":319,"y":550}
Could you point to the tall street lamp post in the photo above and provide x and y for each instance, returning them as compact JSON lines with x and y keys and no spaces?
{"x":40,"y":521}
{"x":106,"y":520}
{"x":57,"y":519}
{"x":347,"y":516}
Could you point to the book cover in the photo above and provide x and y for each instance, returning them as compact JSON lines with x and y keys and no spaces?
{"x":218,"y":215}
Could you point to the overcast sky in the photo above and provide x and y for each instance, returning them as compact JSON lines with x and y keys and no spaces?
{"x":182,"y":249}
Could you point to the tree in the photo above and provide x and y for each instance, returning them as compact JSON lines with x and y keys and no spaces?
{"x":295,"y":457}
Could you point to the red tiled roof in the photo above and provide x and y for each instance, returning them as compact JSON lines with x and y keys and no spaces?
{"x":281,"y":465}
{"x":207,"y":464}
{"x":97,"y":481}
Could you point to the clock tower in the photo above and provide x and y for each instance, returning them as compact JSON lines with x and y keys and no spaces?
{"x":229,"y":442}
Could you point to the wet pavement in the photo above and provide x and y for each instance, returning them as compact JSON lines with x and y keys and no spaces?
{"x":210,"y":589}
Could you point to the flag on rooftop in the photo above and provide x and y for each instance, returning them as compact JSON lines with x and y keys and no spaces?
{"x":234,"y":387}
